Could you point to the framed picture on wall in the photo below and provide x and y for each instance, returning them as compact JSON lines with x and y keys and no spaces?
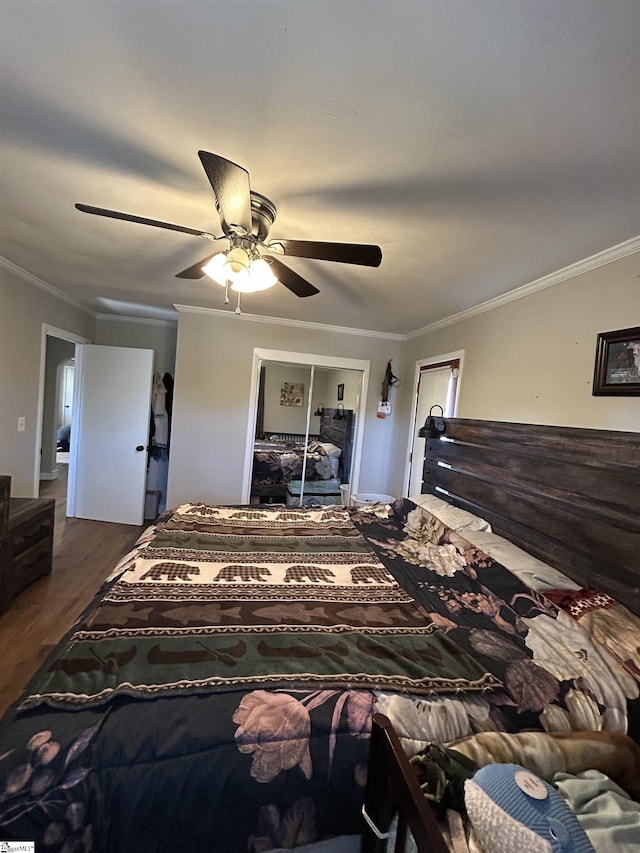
{"x":292,"y":394}
{"x":341,"y":391}
{"x":617,"y":367}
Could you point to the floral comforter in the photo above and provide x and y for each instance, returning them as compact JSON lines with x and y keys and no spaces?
{"x":278,"y":466}
{"x":104,"y":754}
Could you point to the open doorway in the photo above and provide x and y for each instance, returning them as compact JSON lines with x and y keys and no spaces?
{"x":437,"y":382}
{"x":56,"y":412}
{"x":110,"y":415}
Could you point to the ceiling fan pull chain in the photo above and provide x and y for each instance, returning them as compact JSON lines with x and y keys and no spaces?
{"x":226,"y":292}
{"x":238,"y":311}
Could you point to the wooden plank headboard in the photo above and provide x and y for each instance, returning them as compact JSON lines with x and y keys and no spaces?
{"x":339,"y":432}
{"x":569,"y":496}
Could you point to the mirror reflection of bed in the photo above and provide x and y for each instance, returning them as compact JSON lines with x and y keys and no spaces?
{"x":304,"y":441}
{"x":292,"y":467}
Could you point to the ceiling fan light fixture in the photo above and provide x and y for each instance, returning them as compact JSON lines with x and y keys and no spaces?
{"x":245,"y":276}
{"x":261,"y":276}
{"x":237,"y":262}
{"x":249,"y":285}
{"x":246,"y":218}
{"x":216,"y":269}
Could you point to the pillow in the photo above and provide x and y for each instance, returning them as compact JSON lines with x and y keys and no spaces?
{"x":607,"y":622}
{"x":531,"y":571}
{"x":331,"y":450}
{"x":452,"y":516}
{"x":323,"y":467}
{"x":511,"y":809}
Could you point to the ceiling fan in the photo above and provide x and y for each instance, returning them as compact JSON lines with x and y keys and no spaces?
{"x":246,"y":218}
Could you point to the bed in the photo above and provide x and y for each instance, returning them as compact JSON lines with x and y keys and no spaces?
{"x":219,"y":692}
{"x":570,"y":498}
{"x":280,"y":458}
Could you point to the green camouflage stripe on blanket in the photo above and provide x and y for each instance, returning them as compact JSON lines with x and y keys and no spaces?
{"x":417,"y":663}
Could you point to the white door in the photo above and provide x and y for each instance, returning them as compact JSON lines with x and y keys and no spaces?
{"x":66,"y":398}
{"x":435,"y":387}
{"x":112,"y":406}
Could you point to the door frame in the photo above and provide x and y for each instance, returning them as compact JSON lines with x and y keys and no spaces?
{"x":48,"y":330}
{"x":420,"y":364}
{"x":305,"y":359}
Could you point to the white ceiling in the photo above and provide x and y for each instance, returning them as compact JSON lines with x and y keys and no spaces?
{"x":481,"y":143}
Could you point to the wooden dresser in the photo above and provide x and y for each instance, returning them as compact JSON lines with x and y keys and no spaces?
{"x":26,"y":541}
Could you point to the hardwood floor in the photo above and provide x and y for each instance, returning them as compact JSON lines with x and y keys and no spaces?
{"x":84,"y":553}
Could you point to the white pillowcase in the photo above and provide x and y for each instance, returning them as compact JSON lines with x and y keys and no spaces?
{"x":531,"y":571}
{"x":332,"y":450}
{"x":455,"y":518}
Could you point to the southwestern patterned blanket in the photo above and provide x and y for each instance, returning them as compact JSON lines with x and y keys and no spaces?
{"x":218,"y":693}
{"x":224,"y":599}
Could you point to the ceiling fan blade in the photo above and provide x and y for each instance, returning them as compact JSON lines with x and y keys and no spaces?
{"x":345,"y":253}
{"x":296,"y":284}
{"x":129,"y":217}
{"x":195,"y":270}
{"x":230,"y":184}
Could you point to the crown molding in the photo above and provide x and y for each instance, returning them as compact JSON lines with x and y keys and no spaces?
{"x":43,"y":285}
{"x":607,"y":256}
{"x":145,"y":321}
{"x":277,"y":321}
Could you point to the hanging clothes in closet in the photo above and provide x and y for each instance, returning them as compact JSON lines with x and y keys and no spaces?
{"x":160,"y":415}
{"x":159,"y":438}
{"x":168,"y":384}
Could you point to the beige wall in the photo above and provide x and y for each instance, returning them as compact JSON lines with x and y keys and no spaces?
{"x":351,"y":384}
{"x":158,"y":335}
{"x":211,"y":404}
{"x":23,"y":309}
{"x":279,"y":418}
{"x":532,"y":360}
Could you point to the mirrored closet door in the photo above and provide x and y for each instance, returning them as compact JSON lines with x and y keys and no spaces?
{"x":306,"y":432}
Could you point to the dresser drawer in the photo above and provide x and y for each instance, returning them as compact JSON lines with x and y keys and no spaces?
{"x":30,"y":564}
{"x":29,"y":545}
{"x":30,"y":533}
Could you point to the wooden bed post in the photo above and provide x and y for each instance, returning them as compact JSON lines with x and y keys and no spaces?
{"x":392,"y":787}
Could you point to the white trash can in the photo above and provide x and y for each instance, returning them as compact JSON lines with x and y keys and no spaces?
{"x":345,"y":494}
{"x":363,"y":498}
